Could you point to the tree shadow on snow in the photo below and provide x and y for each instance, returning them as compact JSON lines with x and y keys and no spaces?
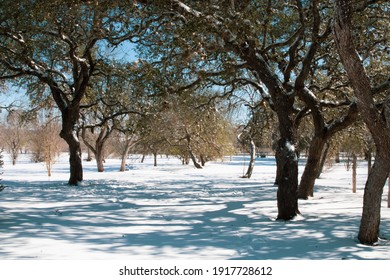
{"x":160,"y":219}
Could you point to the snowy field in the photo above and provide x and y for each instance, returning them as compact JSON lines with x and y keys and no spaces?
{"x":178,"y":212}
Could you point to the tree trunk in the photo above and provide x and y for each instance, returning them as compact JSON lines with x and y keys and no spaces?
{"x":337,"y":159}
{"x":100,"y":157}
{"x":123,"y":163}
{"x":286,"y":165}
{"x":190,"y":152}
{"x":124,"y":155}
{"x":323,"y":159}
{"x":354,"y":167}
{"x":75,"y":160}
{"x":287,"y":180}
{"x":193,"y":158}
{"x":99,"y":146}
{"x":252,"y":152}
{"x":155,"y":159}
{"x":376,"y":122}
{"x":312,"y":167}
{"x":369,"y":160}
{"x":69,"y":133}
{"x":202,"y":160}
{"x":369,"y":226}
{"x":89,"y":154}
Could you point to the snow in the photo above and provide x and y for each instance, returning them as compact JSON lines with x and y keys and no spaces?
{"x":290,"y":147}
{"x":178,"y":212}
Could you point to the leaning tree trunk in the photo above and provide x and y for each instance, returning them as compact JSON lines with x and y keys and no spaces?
{"x":323,"y":159}
{"x":252,"y":152}
{"x":202,"y":160}
{"x":193,"y":158}
{"x":190,"y":152}
{"x":306,"y":186}
{"x":376,"y":122}
{"x":369,"y":226}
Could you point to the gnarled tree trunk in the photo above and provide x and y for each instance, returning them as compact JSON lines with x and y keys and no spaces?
{"x":98,"y":148}
{"x":286,"y":164}
{"x":306,"y":186}
{"x":370,"y":222}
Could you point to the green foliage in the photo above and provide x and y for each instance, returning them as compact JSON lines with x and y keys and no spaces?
{"x":187,"y":122}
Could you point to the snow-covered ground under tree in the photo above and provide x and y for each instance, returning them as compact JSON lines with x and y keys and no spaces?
{"x":178,"y":212}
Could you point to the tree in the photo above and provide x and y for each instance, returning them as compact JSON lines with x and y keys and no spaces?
{"x":44,"y":141}
{"x":353,"y":144}
{"x":274,"y":43}
{"x":197,"y":127}
{"x":125,"y":140}
{"x":328,"y":118}
{"x":256,"y":132}
{"x":13,"y":134}
{"x":374,"y":105}
{"x":58,"y":48}
{"x":108,"y":103}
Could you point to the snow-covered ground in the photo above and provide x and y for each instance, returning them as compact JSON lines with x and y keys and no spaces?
{"x":178,"y":212}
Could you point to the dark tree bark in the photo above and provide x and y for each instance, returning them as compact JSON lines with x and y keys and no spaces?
{"x":202,"y":160}
{"x":369,"y":160}
{"x":69,"y":132}
{"x":286,"y":180}
{"x":286,"y":157}
{"x":312,"y":167}
{"x":377,"y":122}
{"x":154,"y":159}
{"x":370,"y":222}
{"x":193,"y":158}
{"x":337,"y":159}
